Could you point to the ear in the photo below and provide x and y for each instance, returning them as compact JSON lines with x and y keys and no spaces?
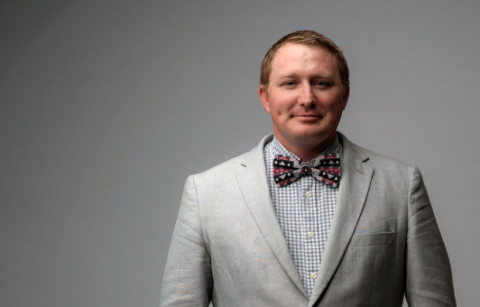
{"x":263,"y":94}
{"x":345,"y":97}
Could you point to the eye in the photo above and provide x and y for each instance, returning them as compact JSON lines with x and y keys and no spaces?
{"x":320,"y":83}
{"x":289,"y":84}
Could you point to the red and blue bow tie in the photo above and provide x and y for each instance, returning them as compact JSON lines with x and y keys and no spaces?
{"x":287,"y":170}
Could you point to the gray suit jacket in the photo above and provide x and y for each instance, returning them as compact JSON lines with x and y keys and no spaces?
{"x":384,"y":241}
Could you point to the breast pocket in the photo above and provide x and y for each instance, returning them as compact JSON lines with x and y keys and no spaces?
{"x":375,"y":253}
{"x":355,"y":281}
{"x":373,"y":239}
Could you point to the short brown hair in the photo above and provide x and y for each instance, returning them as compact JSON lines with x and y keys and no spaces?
{"x":309,"y":38}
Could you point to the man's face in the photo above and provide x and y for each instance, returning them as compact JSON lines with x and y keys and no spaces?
{"x":305,"y":96}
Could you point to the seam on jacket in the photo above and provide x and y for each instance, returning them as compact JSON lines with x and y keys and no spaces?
{"x":200,"y":217}
{"x":428,"y":204}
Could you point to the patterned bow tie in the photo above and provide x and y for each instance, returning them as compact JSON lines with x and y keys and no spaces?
{"x":287,"y":170}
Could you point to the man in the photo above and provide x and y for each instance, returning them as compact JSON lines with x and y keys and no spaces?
{"x":306,"y":218}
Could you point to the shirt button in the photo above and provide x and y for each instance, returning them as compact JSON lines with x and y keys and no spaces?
{"x":313,"y":276}
{"x":310,"y":234}
{"x":308,"y":194}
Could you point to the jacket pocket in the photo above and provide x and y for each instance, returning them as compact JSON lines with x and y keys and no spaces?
{"x":373,"y":239}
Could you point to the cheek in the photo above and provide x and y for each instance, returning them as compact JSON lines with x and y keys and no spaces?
{"x":281,"y":108}
{"x":286,"y":108}
{"x":335,"y":106}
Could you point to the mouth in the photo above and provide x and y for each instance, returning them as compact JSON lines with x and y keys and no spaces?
{"x":309,"y":116}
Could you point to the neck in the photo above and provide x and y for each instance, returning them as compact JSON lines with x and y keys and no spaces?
{"x":306,"y":149}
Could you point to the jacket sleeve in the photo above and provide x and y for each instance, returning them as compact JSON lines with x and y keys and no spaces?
{"x":428,"y":273}
{"x":187,"y":280}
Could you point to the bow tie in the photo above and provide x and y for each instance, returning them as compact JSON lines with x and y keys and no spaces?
{"x":287,"y":170}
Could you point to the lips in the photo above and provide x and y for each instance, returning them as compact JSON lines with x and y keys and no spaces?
{"x":306,"y":116}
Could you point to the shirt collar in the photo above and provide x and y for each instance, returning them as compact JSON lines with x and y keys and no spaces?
{"x":334,"y":148}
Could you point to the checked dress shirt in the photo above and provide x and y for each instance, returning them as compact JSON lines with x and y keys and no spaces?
{"x":304,"y":211}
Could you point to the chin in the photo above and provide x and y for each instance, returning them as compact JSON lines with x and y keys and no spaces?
{"x":309,"y":136}
{"x":310,"y":132}
{"x":314,"y":135}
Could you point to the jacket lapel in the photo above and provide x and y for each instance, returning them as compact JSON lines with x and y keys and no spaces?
{"x":252,"y":181}
{"x":354,"y":185}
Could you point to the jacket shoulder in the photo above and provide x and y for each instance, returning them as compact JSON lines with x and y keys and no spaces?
{"x":228,"y":169}
{"x":371,"y":156}
{"x":379,"y":162}
{"x":380,"y":159}
{"x":220,"y":170}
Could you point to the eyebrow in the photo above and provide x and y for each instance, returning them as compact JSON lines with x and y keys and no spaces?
{"x":292,"y":75}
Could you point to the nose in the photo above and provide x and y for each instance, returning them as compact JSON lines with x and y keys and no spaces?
{"x":307,"y":98}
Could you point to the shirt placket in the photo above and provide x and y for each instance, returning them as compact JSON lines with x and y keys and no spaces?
{"x":310,"y":237}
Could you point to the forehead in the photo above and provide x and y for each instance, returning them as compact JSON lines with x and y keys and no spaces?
{"x":299,"y":57}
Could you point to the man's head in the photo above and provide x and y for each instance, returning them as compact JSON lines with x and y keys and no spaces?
{"x":309,"y":38}
{"x":305,"y":90}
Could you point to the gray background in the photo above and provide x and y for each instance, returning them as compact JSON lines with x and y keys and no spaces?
{"x":107,"y":106}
